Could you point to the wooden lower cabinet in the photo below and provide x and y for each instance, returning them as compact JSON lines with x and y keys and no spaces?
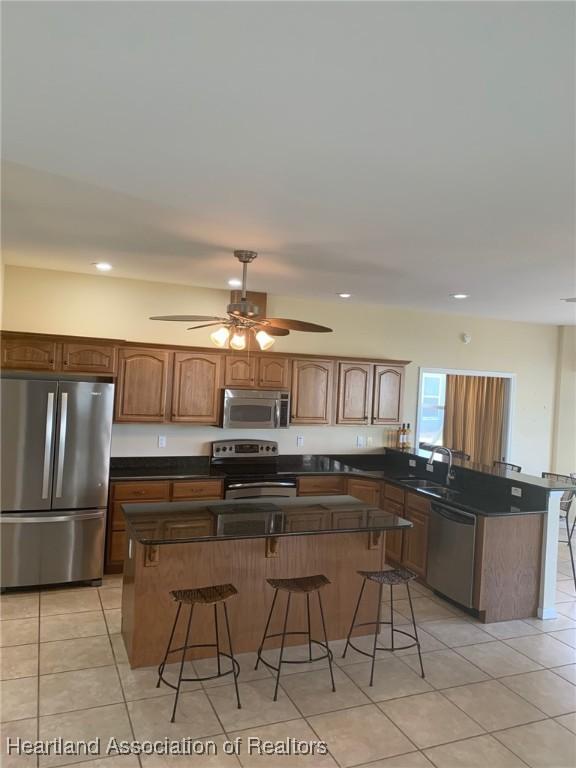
{"x":395,"y":539}
{"x":321,"y":485}
{"x":367,"y":491}
{"x":306,"y":520}
{"x":415,"y":547}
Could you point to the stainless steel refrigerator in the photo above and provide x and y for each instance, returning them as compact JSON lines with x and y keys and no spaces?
{"x":55,"y":464}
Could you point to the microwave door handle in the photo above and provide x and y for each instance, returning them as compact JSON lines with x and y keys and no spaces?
{"x":277,"y":413}
{"x":48,"y":445}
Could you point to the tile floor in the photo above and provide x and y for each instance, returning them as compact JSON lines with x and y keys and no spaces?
{"x":500,"y":695}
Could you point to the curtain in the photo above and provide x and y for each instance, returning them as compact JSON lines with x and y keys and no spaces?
{"x":474,"y":416}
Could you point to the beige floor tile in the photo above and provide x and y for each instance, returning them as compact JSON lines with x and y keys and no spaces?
{"x":258,"y":707}
{"x":503,"y":630}
{"x":364,"y":642}
{"x":497,"y":658}
{"x":360,"y":735}
{"x":545,"y":690}
{"x":81,"y":689}
{"x":213,"y":756}
{"x":551,"y":625}
{"x":429,"y":719}
{"x":19,"y":661}
{"x":194,"y":717}
{"x":567,"y":609}
{"x":21,"y":605}
{"x":567,"y":586}
{"x":312,"y":692}
{"x":568,"y":672}
{"x":19,"y":699}
{"x":112,"y":581}
{"x":544,"y":650}
{"x":567,"y":636}
{"x":568,"y":721}
{"x":69,"y":601}
{"x":427,"y":641}
{"x":141,"y":683}
{"x":247,"y":662}
{"x":392,"y":679}
{"x":80,"y":653}
{"x":18,"y":632}
{"x":113,"y":620}
{"x":118,"y":648}
{"x":298,"y":653}
{"x":67,"y":626}
{"x":411,"y":760}
{"x":455,"y":632}
{"x":111,"y":598}
{"x":87,"y":724}
{"x":445,"y":669}
{"x":480,"y":752}
{"x":296,"y":729}
{"x":542,"y":745}
{"x":562,"y":597}
{"x":425,"y":608}
{"x":493,"y":705}
{"x":17,"y":729}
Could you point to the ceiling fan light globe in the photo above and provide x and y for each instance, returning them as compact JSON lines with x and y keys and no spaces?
{"x":238,"y":341}
{"x":220,"y":336}
{"x":265,"y":341}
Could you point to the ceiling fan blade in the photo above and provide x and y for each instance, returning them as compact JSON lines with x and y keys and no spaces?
{"x":188,"y":318}
{"x":274,"y":331}
{"x":204,"y":325}
{"x":296,"y":325}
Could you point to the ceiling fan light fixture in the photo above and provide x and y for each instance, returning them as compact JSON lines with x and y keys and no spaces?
{"x":220,"y":336}
{"x":265,"y":341}
{"x":238,"y":340}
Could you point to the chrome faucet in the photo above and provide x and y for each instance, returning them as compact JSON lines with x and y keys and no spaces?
{"x":447,"y":452}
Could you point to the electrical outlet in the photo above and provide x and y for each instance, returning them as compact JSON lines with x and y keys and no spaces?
{"x":360,"y":441}
{"x":161,"y":441}
{"x":429,"y":467}
{"x":299,"y":441}
{"x":516,"y":491}
{"x":412,"y":463}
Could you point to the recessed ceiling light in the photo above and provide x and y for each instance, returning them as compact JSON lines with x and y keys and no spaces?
{"x":235,"y":283}
{"x":345,"y":295}
{"x":102,"y":266}
{"x":459,"y":295}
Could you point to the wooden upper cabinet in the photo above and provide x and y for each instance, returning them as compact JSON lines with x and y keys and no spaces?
{"x":387,"y":403}
{"x":240,"y":371}
{"x":142,"y":385}
{"x":89,"y":358}
{"x":273,"y":373}
{"x":196,"y":387}
{"x":354,"y":393}
{"x":30,"y":354}
{"x":312,"y":389}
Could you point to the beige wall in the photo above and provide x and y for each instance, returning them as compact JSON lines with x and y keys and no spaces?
{"x":564,"y":447}
{"x":97,"y":305}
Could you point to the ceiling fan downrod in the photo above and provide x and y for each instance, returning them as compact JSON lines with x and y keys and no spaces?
{"x":244,"y":308}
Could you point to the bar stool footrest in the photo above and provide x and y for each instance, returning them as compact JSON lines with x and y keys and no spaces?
{"x":415,"y":644}
{"x":327,"y":655}
{"x":234,"y":669}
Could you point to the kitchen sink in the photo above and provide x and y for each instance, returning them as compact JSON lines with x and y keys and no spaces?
{"x":418,"y":483}
{"x":444,"y":493}
{"x":429,"y":486}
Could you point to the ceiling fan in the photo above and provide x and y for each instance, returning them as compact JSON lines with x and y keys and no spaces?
{"x":244,"y":319}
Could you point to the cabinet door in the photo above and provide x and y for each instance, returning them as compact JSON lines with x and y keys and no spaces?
{"x":312,"y":391}
{"x":367,"y":491}
{"x":415,"y":550}
{"x":321,"y":485}
{"x":387,"y":403}
{"x":89,"y":358}
{"x":273,"y":373}
{"x":354,"y":393}
{"x":394,"y":539}
{"x":240,"y":371}
{"x":142,"y":385}
{"x":196,"y":387}
{"x":306,"y":520}
{"x":30,"y":354}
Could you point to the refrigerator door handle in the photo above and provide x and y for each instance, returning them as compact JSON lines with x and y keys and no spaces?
{"x":61,"y":444}
{"x":48,"y":445}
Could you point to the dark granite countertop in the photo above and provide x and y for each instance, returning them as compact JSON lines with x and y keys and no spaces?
{"x":181,"y":522}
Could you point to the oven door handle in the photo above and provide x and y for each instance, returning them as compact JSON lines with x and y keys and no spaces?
{"x":279,"y":484}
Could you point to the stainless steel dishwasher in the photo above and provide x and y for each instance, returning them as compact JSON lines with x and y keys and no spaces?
{"x":451,"y":542}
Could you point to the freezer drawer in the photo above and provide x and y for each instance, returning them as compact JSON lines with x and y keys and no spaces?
{"x":52,"y":547}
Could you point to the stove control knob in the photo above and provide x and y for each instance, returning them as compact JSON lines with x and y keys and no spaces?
{"x":267,"y":447}
{"x":274,"y":448}
{"x":224,"y":448}
{"x":217,"y":450}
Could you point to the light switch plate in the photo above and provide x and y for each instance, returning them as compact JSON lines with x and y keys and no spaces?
{"x":412,"y":462}
{"x":360,"y":441}
{"x":161,"y":441}
{"x":516,"y":491}
{"x":299,"y":441}
{"x":429,"y":468}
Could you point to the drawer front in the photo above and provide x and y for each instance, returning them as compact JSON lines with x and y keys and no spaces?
{"x":197,"y":489}
{"x":158,"y":491}
{"x":367,"y":491}
{"x":324,"y":485}
{"x":418,"y":503}
{"x":394,"y":493}
{"x":344,"y":519}
{"x":201,"y":526}
{"x":393,"y":507}
{"x":116,"y":547}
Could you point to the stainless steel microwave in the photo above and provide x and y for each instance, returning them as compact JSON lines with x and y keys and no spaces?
{"x":255,"y":409}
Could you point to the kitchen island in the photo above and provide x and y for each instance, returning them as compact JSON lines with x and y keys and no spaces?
{"x":178,"y":545}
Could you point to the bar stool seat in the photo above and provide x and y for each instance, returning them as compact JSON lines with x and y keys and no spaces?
{"x":391,"y":577}
{"x":303,"y":585}
{"x":215,"y":595}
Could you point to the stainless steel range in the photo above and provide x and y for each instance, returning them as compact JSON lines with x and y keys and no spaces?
{"x":251,"y":469}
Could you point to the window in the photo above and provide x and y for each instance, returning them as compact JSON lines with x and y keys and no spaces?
{"x":431,"y":408}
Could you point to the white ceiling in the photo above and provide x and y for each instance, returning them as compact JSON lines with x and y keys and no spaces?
{"x":399,"y":151}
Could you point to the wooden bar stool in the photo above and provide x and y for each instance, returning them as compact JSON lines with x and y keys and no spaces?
{"x":391,"y":577}
{"x":214,"y":595}
{"x":304,"y":585}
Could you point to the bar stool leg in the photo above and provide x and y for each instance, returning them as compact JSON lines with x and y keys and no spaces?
{"x":392,"y":616}
{"x":376,"y":633}
{"x":217,"y":638}
{"x":415,"y":629}
{"x":184,"y":648}
{"x":354,"y":617}
{"x":163,"y":664}
{"x":282,"y":646}
{"x":232,"y":654}
{"x":326,"y":641}
{"x":266,"y":629}
{"x":570,"y":532}
{"x":309,"y":628}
